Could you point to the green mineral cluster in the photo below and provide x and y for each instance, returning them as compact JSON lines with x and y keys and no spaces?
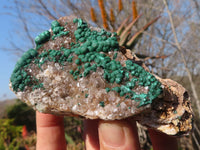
{"x":19,"y":78}
{"x":91,"y":48}
{"x":43,"y":37}
{"x":58,"y":30}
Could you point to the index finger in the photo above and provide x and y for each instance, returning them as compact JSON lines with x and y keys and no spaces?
{"x":50,"y":132}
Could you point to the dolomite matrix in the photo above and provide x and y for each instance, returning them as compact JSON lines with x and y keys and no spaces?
{"x":76,"y":69}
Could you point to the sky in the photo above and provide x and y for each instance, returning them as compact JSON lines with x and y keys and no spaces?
{"x":8,"y":28}
{"x":7,"y":59}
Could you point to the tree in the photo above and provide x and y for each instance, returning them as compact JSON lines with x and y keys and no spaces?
{"x":22,"y":115}
{"x":174,"y":36}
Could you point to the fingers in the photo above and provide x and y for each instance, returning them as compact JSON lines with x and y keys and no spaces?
{"x":108,"y":135}
{"x":50,"y":132}
{"x":162,"y":141}
{"x":104,"y":135}
{"x":118,"y":135}
{"x":91,"y":135}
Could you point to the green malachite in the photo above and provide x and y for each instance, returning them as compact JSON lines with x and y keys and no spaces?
{"x":57,"y":30}
{"x":86,"y":95}
{"x":91,"y":48}
{"x":43,"y":37}
{"x":19,"y":78}
{"x":101,"y":103}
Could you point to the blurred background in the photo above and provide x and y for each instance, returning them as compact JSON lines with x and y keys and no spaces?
{"x":164,"y":34}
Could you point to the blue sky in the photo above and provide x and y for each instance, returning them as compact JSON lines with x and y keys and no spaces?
{"x":10,"y":30}
{"x":7,"y":59}
{"x":7,"y":27}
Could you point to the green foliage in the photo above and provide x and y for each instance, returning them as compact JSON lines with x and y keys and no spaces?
{"x":9,"y":135}
{"x":73,"y":135}
{"x":78,"y":146}
{"x":8,"y":131}
{"x":69,"y":139}
{"x":14,"y":145}
{"x":22,"y":114}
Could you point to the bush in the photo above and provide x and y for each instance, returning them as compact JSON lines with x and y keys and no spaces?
{"x":73,"y":129}
{"x":9,"y":135}
{"x":22,"y":114}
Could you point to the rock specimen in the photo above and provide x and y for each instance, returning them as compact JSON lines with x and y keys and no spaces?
{"x":80,"y":70}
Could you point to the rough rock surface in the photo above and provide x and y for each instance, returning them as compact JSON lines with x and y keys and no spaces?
{"x":80,"y":70}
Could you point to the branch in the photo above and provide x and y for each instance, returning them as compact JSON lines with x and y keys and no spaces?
{"x":197,"y":7}
{"x":183,"y":58}
{"x":75,"y":10}
{"x":195,"y":140}
{"x":51,"y":16}
{"x":24,"y":22}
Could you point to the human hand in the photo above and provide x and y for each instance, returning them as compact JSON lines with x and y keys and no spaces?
{"x":98,"y":134}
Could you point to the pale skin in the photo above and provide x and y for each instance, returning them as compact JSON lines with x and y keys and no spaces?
{"x":98,"y":135}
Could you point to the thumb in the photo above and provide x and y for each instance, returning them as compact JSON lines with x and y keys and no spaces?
{"x":118,"y":135}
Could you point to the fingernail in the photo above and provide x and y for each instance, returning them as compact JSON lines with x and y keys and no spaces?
{"x":112,"y":134}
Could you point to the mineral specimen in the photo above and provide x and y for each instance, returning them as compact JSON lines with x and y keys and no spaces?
{"x":80,"y":70}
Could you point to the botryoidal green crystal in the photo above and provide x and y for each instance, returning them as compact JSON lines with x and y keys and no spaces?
{"x":91,"y":48}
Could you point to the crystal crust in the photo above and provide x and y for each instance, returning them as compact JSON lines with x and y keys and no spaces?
{"x":81,"y":70}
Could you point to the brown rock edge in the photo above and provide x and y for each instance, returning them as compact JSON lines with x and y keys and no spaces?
{"x":172,"y":113}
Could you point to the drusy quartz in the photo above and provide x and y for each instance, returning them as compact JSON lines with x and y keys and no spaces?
{"x":76,"y":69}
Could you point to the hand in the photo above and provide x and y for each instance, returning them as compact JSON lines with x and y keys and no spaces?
{"x":98,"y":134}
